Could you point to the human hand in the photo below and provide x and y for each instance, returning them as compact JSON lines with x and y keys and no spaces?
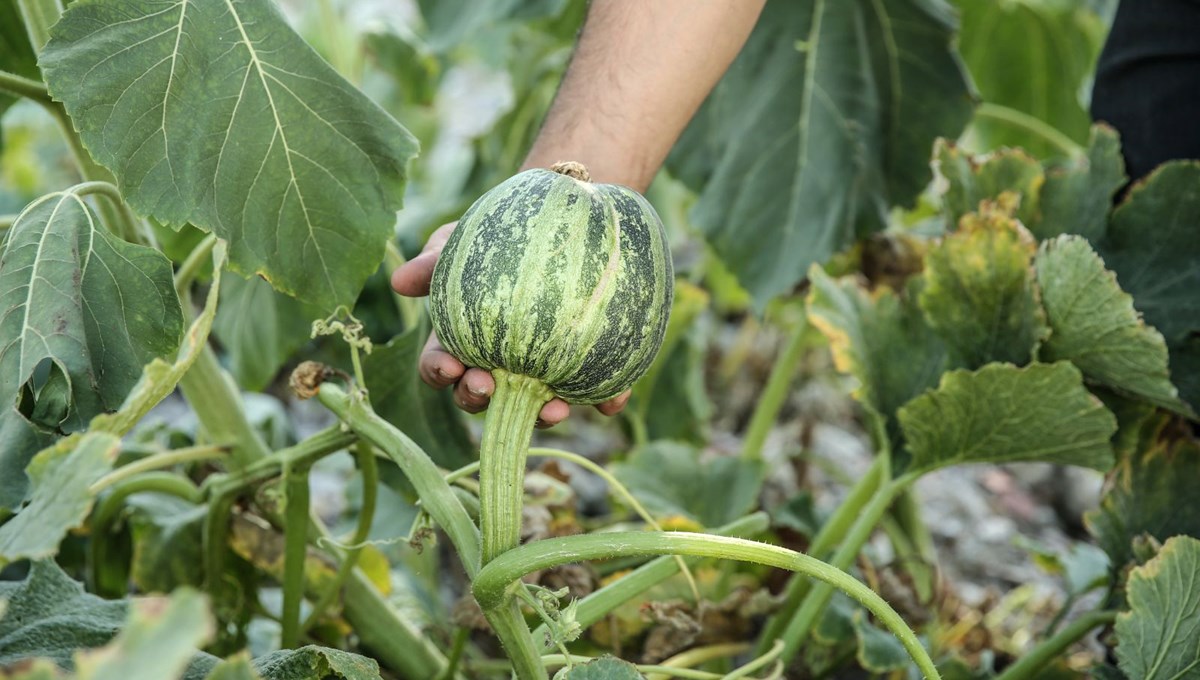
{"x":473,"y":387}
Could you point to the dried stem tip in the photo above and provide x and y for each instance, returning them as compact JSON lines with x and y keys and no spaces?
{"x":572,"y":169}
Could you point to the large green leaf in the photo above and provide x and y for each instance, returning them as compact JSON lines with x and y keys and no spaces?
{"x":824,"y":121}
{"x":1159,"y":637}
{"x":880,"y":338}
{"x":979,"y":293}
{"x":49,"y":615}
{"x":160,"y":377}
{"x":260,"y":329}
{"x":399,"y":396}
{"x":670,"y":479}
{"x":1095,"y":326}
{"x":1151,"y":491}
{"x":1152,"y":247}
{"x":60,"y":477}
{"x":1035,"y":57}
{"x":91,"y":306}
{"x":157,"y":642}
{"x":218,"y":114}
{"x":1005,"y":414}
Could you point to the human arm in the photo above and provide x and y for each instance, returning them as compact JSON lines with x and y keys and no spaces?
{"x":639,"y":72}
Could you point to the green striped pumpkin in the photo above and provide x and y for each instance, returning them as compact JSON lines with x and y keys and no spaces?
{"x":551,"y":276}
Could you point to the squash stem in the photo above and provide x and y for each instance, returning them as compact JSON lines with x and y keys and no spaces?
{"x":506,"y":434}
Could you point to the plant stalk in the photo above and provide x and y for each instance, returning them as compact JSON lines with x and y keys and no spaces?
{"x":295,"y":550}
{"x":1049,"y":649}
{"x":771,"y":401}
{"x":491,"y":586}
{"x":25,"y":87}
{"x":503,"y":450}
{"x":436,"y":496}
{"x":39,"y":16}
{"x":215,"y":398}
{"x":814,"y":603}
{"x":366,"y":515}
{"x":155,"y":462}
{"x":834,"y":529}
{"x":596,"y":606}
{"x":1030,"y":124}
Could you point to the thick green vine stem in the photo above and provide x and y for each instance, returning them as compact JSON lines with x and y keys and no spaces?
{"x":436,"y":496}
{"x":295,"y":551}
{"x":507,"y":431}
{"x":597,"y":605}
{"x":492,"y":585}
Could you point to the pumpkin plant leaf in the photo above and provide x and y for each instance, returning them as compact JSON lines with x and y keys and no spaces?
{"x":979,"y":293}
{"x":1159,"y":637}
{"x":316,"y":662}
{"x":848,"y":98}
{"x":880,"y":338}
{"x":1152,"y":232}
{"x":281,"y":325}
{"x":1078,"y":193}
{"x":987,"y":416}
{"x":1151,"y":491}
{"x":50,"y":615}
{"x":605,"y":668}
{"x":670,"y":480}
{"x":158,"y":640}
{"x":297,"y":169}
{"x":160,"y":377}
{"x":973,"y":179}
{"x":91,"y":308}
{"x":1095,"y":326}
{"x":60,"y":477}
{"x":1034,"y":57}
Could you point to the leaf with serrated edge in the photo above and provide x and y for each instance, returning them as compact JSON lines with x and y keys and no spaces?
{"x":157,"y":642}
{"x":825,"y":120}
{"x":159,"y":378}
{"x":970,"y":180}
{"x":1159,"y":637}
{"x":1095,"y":326}
{"x":979,"y":293}
{"x":1078,"y":194}
{"x":217,"y":113}
{"x":1005,"y":414}
{"x":95,"y":306}
{"x":60,"y":477}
